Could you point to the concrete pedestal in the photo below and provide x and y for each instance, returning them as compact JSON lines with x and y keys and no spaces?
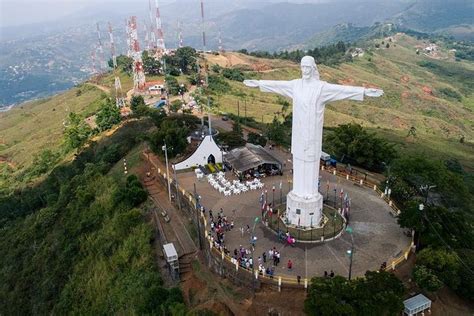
{"x":303,"y":211}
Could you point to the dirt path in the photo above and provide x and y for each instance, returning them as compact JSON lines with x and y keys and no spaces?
{"x":103,"y":88}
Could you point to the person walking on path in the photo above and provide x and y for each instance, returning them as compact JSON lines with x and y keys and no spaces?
{"x":290,"y":265}
{"x":264,"y":256}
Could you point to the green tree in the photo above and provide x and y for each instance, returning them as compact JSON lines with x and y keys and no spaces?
{"x":175,"y":106}
{"x":151,"y":65}
{"x":138,"y":106}
{"x":123,"y":62}
{"x":278,"y":132}
{"x":233,"y":74}
{"x":443,"y":263}
{"x":76,"y":132}
{"x":379,"y":293}
{"x":173,"y":134}
{"x":232,"y":139}
{"x":107,"y":116}
{"x":172,"y":85}
{"x":351,"y":143}
{"x":186,"y":59}
{"x":258,"y":139}
{"x":426,"y":279}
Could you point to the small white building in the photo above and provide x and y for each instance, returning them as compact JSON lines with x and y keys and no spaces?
{"x":416,"y":304}
{"x":207,"y":152}
{"x":171,"y":256}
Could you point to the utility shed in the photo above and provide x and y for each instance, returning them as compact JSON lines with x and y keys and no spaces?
{"x":171,"y":257}
{"x":252,"y":157}
{"x":416,"y":304}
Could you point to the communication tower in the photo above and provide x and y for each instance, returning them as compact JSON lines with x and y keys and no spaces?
{"x":119,"y":99}
{"x":138,"y":74}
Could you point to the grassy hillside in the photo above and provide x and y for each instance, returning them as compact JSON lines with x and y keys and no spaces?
{"x":26,"y":130}
{"x":432,"y":94}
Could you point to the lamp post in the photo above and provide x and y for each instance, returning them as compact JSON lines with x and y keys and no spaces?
{"x":165,"y":149}
{"x":273,"y":196}
{"x":281,"y":193}
{"x":198,"y":207}
{"x":253,"y":240}
{"x":178,"y":199}
{"x":421,"y":207}
{"x":351,"y":251}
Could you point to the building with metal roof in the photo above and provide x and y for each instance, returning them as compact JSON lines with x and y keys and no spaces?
{"x":416,"y":304}
{"x":252,"y":157}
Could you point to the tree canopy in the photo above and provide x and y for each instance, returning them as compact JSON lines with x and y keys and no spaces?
{"x":379,"y":293}
{"x":351,"y":143}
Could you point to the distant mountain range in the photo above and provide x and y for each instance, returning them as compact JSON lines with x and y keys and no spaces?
{"x":45,"y":58}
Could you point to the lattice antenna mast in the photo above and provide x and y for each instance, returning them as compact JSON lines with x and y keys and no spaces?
{"x":220,"y":48}
{"x":94,"y":70}
{"x":204,"y":42}
{"x":138,"y":74}
{"x":119,"y":99}
{"x":100,"y":49}
{"x":152,"y":28}
{"x":160,"y":41}
{"x":180,"y":35}
{"x":129,"y":40}
{"x":147,"y":38}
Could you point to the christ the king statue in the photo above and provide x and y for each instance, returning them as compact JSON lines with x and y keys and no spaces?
{"x":310,"y":95}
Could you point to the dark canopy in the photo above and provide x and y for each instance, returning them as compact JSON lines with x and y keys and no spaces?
{"x":250,"y":157}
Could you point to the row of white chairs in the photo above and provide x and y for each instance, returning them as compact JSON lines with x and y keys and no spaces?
{"x":226,"y":187}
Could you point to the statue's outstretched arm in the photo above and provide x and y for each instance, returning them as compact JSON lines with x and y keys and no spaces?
{"x":335,"y":92}
{"x":284,"y":88}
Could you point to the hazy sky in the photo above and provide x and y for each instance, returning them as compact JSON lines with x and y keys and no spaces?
{"x":21,"y":12}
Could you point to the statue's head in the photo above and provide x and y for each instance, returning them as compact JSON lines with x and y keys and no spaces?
{"x":309,"y":68}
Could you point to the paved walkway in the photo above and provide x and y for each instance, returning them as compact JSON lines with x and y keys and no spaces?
{"x":377,"y":236}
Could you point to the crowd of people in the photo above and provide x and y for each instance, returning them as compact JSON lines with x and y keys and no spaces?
{"x":219,"y":226}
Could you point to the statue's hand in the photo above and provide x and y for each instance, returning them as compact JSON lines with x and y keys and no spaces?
{"x":371,"y":92}
{"x":251,"y":83}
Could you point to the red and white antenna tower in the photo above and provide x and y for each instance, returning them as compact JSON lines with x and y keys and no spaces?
{"x":129,"y":40}
{"x":180,"y":35}
{"x":160,"y":41}
{"x":119,"y":99}
{"x":100,"y":50}
{"x":152,"y":28}
{"x":138,"y":74}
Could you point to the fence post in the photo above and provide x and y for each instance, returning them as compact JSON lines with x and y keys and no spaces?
{"x":393,"y":265}
{"x":334,"y":172}
{"x":305,"y":283}
{"x":361,"y":182}
{"x":375,"y":187}
{"x":279,"y":284}
{"x":347,"y":177}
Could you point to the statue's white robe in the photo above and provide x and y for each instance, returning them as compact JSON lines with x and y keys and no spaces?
{"x":309,"y":99}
